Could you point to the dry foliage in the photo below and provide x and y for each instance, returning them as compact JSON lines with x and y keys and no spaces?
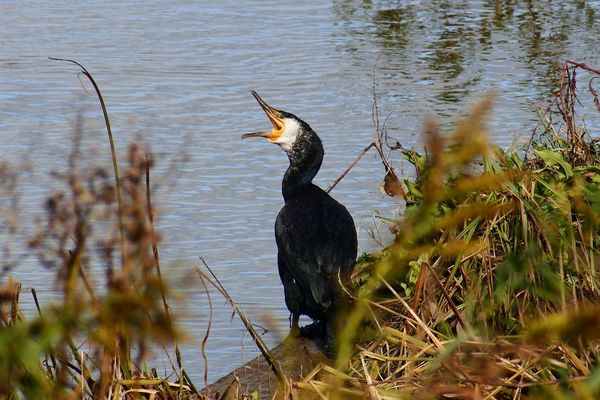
{"x":490,"y":290}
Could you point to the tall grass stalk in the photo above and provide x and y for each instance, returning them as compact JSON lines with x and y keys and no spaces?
{"x":113,"y":151}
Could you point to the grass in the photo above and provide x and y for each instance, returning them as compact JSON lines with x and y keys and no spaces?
{"x":117,"y":323}
{"x":489,"y":290}
{"x":92,"y":343}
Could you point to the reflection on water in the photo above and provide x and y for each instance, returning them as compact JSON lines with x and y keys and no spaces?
{"x":176,"y":76}
{"x":454,"y":44}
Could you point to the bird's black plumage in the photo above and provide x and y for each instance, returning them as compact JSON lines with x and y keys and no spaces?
{"x":316,"y":236}
{"x":316,"y":245}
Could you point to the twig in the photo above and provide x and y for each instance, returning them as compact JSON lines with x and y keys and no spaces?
{"x":564,"y":101}
{"x":380,"y":132}
{"x":37,"y":306}
{"x":352,"y":164}
{"x":257,"y":339}
{"x":205,"y":339}
{"x":156,"y":256}
{"x":447,"y":297}
{"x":189,"y":382}
{"x":583,"y":66}
{"x":519,"y":372}
{"x":87,"y":285}
{"x":594,"y":93}
{"x":376,"y":142}
{"x":151,"y":220}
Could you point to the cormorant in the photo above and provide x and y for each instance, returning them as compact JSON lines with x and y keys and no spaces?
{"x":315,"y":235}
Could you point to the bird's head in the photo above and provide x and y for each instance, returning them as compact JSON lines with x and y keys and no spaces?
{"x":286,"y":127}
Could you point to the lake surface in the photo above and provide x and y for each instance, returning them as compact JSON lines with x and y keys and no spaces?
{"x":176,"y":78}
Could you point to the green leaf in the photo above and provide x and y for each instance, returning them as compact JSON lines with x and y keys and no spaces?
{"x":555,"y":158}
{"x":416,"y":159}
{"x":593,"y":383}
{"x":413,"y":192}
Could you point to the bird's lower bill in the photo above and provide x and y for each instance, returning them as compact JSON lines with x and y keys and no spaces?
{"x":271,"y":136}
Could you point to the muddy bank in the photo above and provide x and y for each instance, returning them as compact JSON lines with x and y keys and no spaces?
{"x":296,"y":357}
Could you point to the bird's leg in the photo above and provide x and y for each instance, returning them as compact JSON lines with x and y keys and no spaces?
{"x":295,"y":327}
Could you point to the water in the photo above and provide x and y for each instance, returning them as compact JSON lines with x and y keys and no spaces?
{"x":176,"y":78}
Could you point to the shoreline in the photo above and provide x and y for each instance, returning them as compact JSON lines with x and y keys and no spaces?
{"x":297,"y":357}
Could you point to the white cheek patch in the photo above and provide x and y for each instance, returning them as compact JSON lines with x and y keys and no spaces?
{"x":289,"y":135}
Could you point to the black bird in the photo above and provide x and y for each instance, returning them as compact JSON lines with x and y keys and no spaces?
{"x":316,"y":236}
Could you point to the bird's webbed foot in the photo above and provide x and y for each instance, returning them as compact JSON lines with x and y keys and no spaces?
{"x":312,"y":331}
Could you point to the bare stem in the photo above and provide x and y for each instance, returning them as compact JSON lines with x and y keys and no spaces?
{"x":255,"y":336}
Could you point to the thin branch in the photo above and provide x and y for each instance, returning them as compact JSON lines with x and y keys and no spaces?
{"x":448,"y":298}
{"x":352,"y":164}
{"x":205,"y":339}
{"x":255,"y":336}
{"x":156,"y":255}
{"x":380,"y":134}
{"x":583,"y":66}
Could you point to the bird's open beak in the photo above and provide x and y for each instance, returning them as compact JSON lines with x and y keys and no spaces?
{"x":273,"y":114}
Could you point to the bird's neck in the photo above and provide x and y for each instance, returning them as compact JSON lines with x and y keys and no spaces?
{"x":305,"y":155}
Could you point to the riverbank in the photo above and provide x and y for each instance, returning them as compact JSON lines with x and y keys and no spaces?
{"x":296,"y":357}
{"x":490,"y":288}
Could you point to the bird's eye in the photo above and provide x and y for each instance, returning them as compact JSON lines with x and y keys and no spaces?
{"x":281,"y":116}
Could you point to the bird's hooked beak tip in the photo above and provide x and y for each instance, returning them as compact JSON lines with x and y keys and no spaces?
{"x":270,"y":111}
{"x":273,"y":115}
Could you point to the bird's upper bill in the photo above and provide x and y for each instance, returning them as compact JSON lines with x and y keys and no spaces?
{"x":274,"y":116}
